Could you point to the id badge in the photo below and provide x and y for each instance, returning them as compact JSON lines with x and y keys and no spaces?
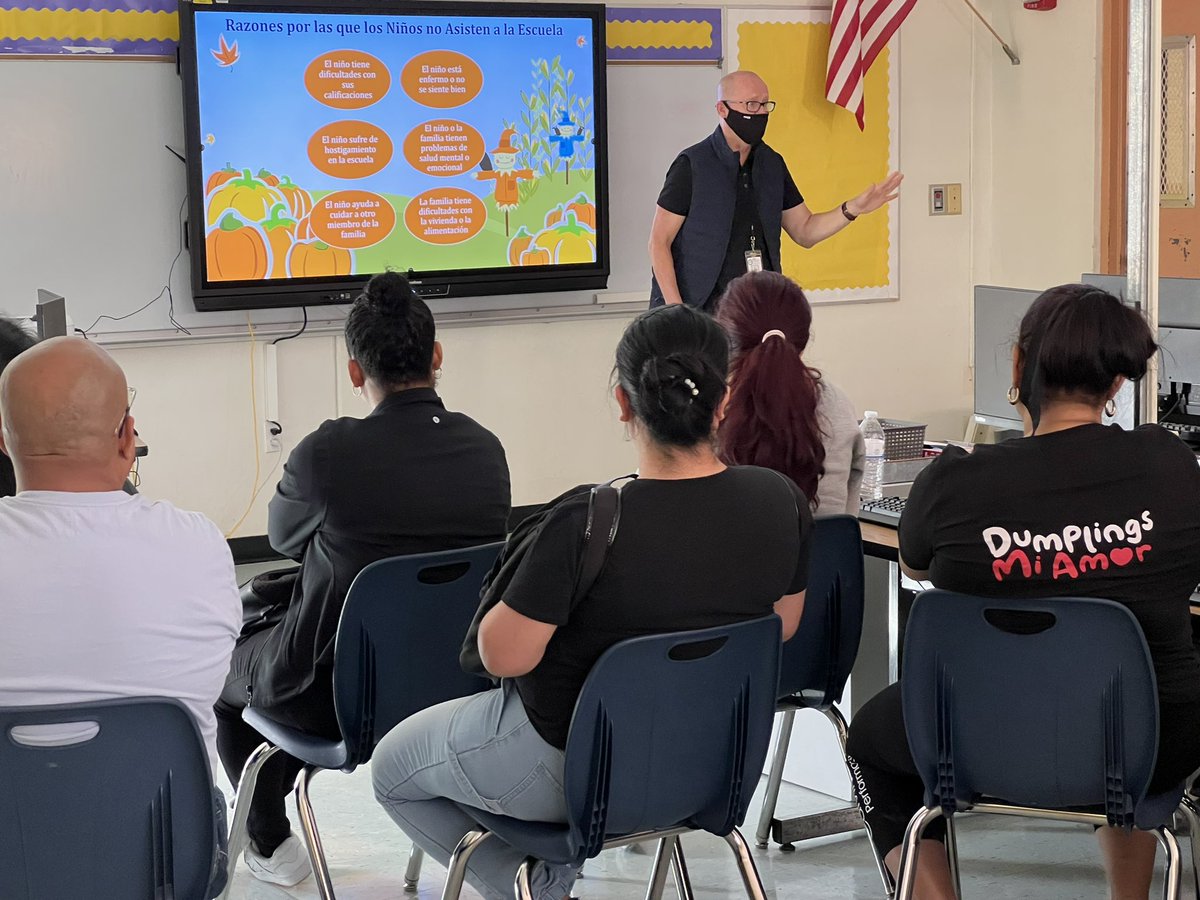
{"x":754,"y":261}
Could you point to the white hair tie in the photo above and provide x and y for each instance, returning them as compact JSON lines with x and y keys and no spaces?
{"x":772,"y":333}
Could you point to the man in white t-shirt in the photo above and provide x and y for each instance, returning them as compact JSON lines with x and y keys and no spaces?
{"x":103,"y":594}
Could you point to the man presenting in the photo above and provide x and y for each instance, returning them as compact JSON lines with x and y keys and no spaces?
{"x":726,"y":200}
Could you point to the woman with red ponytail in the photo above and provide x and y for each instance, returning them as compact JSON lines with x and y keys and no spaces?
{"x":782,"y":414}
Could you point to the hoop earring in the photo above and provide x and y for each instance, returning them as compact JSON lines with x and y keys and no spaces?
{"x":1110,"y":408}
{"x":1014,"y":394}
{"x":357,"y":392}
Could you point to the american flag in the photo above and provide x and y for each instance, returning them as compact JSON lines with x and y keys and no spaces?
{"x":858,"y":30}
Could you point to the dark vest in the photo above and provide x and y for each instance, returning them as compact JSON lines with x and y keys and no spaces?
{"x":699,"y":248}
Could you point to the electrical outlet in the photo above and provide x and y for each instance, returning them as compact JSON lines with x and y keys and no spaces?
{"x":272,"y":437}
{"x":945,"y":199}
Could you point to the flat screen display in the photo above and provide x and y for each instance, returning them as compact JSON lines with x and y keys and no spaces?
{"x":460,"y":144}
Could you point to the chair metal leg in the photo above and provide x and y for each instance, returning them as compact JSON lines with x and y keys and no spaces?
{"x":238,"y":839}
{"x":456,"y":869}
{"x":834,"y":715}
{"x":1187,"y":807}
{"x":683,"y":881}
{"x":522,"y":887}
{"x":1174,"y":863}
{"x":413,"y":873}
{"x":658,"y":872}
{"x":952,"y":856}
{"x":906,"y":878}
{"x":312,"y":838}
{"x":750,"y":878}
{"x":775,"y":778}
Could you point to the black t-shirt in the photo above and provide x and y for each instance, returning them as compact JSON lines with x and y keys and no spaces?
{"x":1092,"y":511}
{"x":692,"y":553}
{"x":676,"y":197}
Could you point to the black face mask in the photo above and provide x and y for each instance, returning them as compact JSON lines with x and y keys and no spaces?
{"x":747,"y":127}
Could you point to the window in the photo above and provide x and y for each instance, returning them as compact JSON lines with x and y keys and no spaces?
{"x":1178,"y":179}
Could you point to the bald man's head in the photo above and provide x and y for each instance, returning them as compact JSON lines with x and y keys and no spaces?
{"x":63,"y":404}
{"x":742,"y":85}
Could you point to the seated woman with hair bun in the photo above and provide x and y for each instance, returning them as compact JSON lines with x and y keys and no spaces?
{"x":410,"y":477}
{"x":782,"y":413}
{"x":1077,"y":345}
{"x":700,"y":544}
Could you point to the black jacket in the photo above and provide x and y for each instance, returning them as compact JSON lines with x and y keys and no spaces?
{"x":409,"y":478}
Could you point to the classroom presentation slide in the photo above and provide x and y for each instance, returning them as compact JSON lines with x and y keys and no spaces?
{"x":350,"y":144}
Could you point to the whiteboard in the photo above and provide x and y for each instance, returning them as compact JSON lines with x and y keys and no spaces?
{"x":91,"y":198}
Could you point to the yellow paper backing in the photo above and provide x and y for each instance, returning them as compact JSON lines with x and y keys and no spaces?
{"x":829,"y":158}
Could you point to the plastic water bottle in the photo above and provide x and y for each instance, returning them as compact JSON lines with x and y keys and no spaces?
{"x":874,"y":438}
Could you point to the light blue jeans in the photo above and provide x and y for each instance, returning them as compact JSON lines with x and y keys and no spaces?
{"x":482,"y":752}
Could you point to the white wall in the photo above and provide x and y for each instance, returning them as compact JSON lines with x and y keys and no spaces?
{"x":1021,"y":139}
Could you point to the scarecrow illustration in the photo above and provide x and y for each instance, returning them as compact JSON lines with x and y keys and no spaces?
{"x":500,"y":166}
{"x":566,"y":136}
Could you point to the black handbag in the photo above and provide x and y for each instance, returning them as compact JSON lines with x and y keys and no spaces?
{"x":604,"y":514}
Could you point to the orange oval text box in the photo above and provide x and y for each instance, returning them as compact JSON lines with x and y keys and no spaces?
{"x":347,"y":79}
{"x":350,"y":149}
{"x":442,"y":79}
{"x":352,"y":219}
{"x":443,"y":147}
{"x":445,"y":216}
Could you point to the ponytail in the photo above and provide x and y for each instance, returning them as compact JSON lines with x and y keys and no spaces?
{"x":772,"y":418}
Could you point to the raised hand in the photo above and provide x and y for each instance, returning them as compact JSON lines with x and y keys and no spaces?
{"x":876,"y":195}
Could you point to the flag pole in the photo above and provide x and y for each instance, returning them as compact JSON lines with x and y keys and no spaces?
{"x":1008,"y":51}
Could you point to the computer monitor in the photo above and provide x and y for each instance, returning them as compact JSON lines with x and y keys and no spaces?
{"x":998,"y":312}
{"x":51,"y":315}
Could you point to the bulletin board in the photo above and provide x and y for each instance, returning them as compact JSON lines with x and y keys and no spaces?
{"x":829,"y":158}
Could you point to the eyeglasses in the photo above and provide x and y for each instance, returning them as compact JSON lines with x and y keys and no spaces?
{"x":754,"y":106}
{"x":130,"y":396}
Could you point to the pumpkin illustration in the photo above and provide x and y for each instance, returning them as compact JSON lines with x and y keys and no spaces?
{"x":236,"y":251}
{"x":299,"y":201}
{"x":279,"y":230}
{"x":518,"y":245}
{"x":567,"y":242}
{"x":267,"y":178}
{"x":556,"y":215}
{"x":314,"y":259}
{"x":247,"y":196}
{"x":216,"y":179}
{"x":536,"y":256}
{"x":584,"y":209}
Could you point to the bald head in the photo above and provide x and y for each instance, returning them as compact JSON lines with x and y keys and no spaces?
{"x":742,"y":85}
{"x":62,"y":404}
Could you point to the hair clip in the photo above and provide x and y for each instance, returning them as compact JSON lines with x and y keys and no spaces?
{"x":692,"y":385}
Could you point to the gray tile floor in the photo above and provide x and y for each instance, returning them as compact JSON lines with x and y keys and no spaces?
{"x":1002,"y":859}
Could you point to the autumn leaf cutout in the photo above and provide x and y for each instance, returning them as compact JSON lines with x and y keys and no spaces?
{"x":226,"y":56}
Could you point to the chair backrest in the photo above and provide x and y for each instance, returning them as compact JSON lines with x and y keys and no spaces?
{"x":396,"y":651}
{"x":1042,"y":703}
{"x":672,"y":729}
{"x":126,"y":812}
{"x":818,"y":659}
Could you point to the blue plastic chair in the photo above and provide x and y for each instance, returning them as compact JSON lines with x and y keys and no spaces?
{"x":816,"y":662}
{"x":668,"y":736}
{"x":395,"y":654}
{"x":1058,"y":721}
{"x":125,"y":812}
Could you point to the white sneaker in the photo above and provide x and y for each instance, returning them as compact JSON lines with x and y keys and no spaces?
{"x":287,"y":866}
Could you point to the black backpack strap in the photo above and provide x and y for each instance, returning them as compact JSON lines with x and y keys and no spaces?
{"x":604,"y":516}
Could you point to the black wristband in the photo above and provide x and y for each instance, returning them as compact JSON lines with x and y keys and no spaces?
{"x":846,"y":212}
